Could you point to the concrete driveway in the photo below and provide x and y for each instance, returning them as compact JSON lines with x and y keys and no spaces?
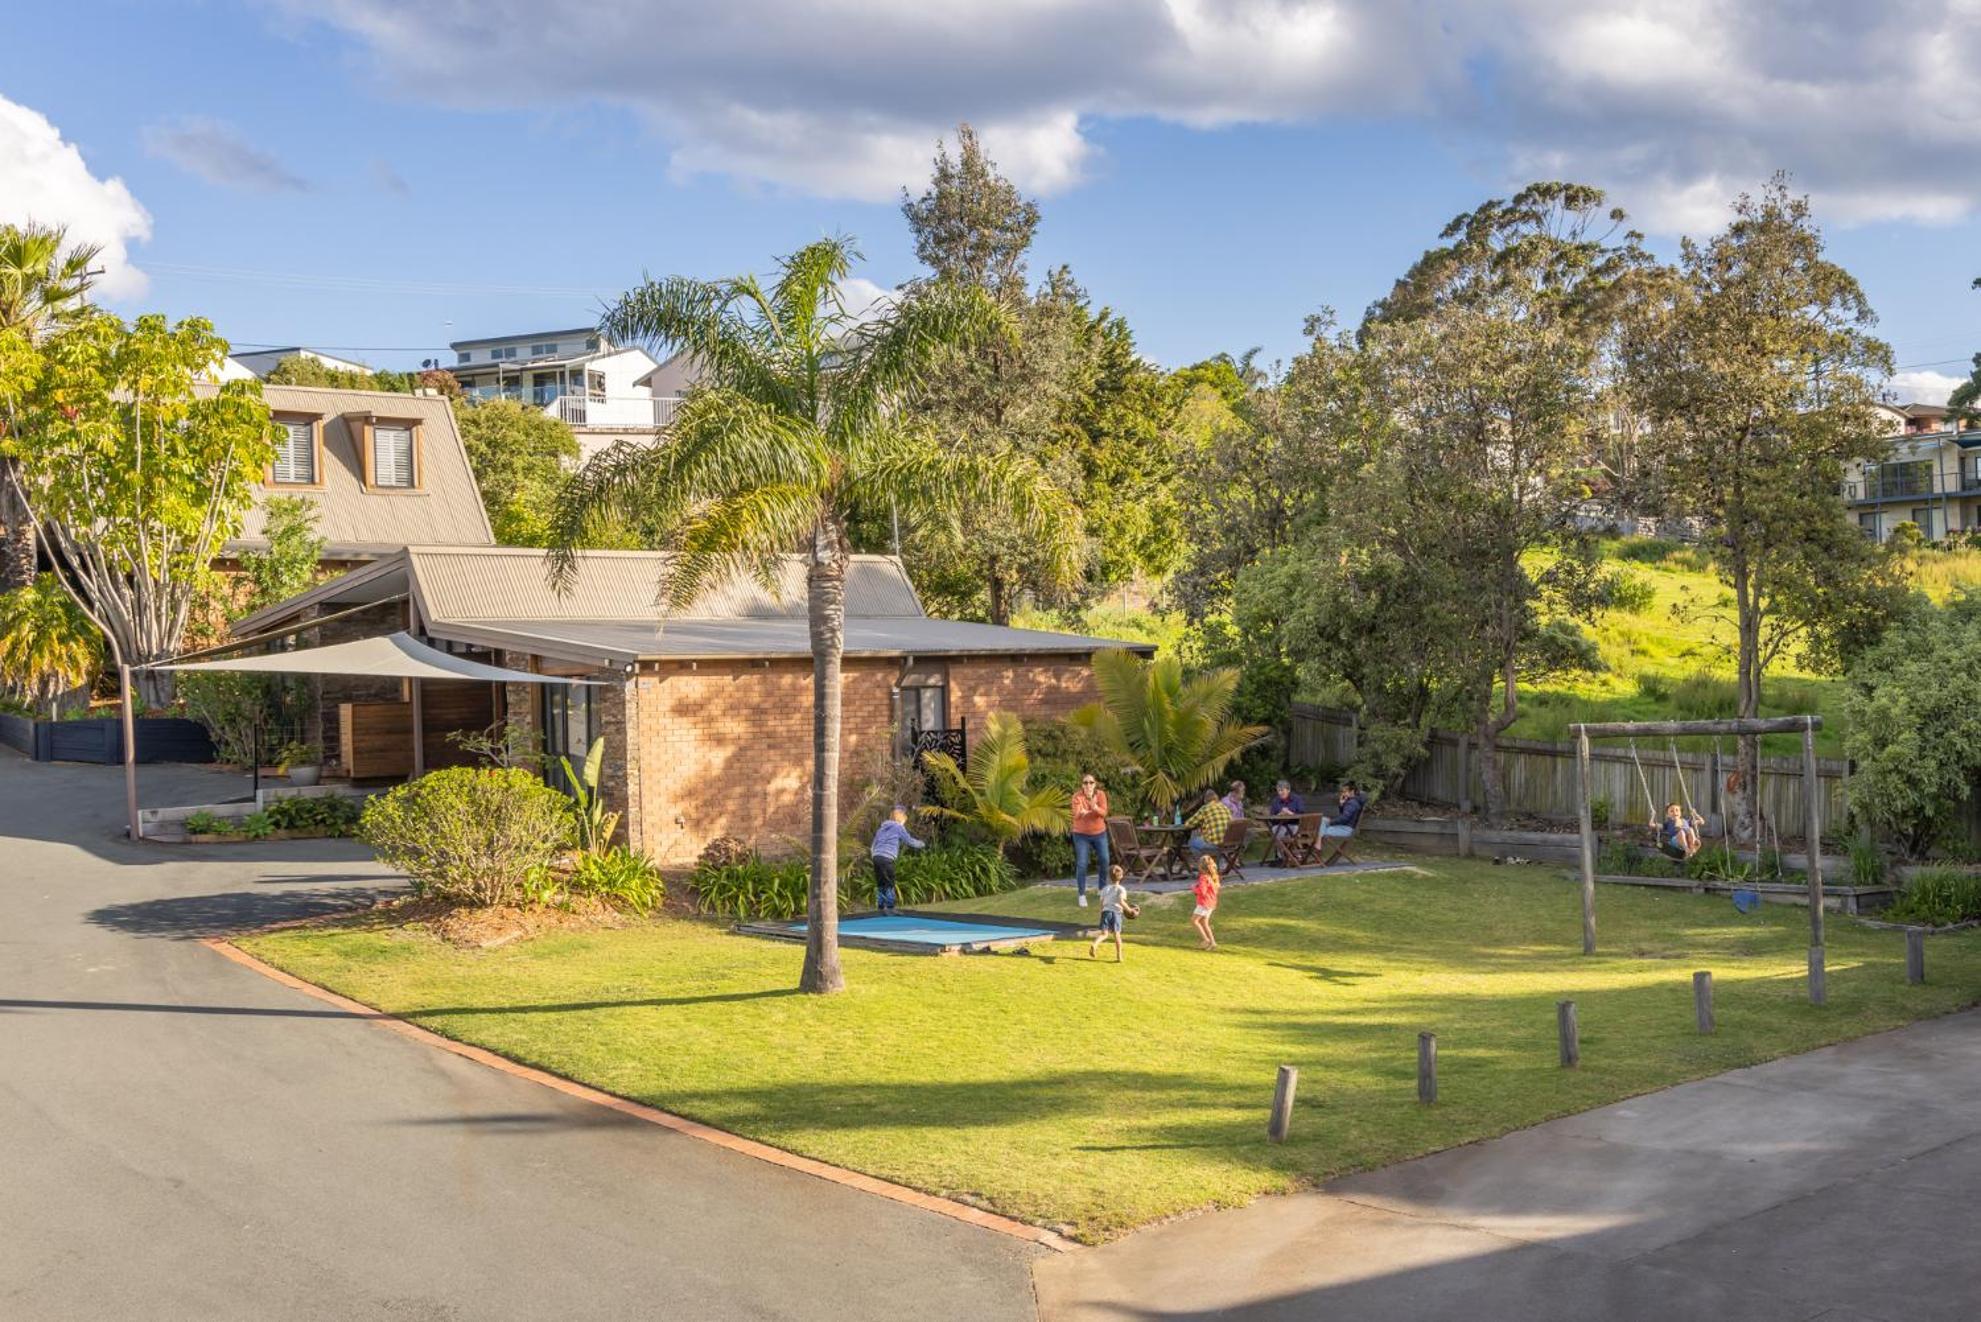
{"x":182,"y":1138}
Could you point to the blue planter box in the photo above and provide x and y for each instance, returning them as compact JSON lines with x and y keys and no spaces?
{"x":101,"y":740}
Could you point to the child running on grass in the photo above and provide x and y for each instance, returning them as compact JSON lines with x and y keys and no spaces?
{"x":887,"y":844}
{"x":1206,"y":891}
{"x":1114,"y":903}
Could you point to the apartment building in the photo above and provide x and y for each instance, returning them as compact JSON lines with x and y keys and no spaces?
{"x":1931,"y":477}
{"x":606,"y":392}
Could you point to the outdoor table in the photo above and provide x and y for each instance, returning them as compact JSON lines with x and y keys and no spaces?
{"x":1274,"y":844}
{"x":1175,"y":844}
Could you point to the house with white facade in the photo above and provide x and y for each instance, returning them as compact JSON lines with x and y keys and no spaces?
{"x":263,"y":361}
{"x":1930,"y":477}
{"x":606,"y":392}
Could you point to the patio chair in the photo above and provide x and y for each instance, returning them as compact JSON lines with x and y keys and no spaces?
{"x":1296,"y":848}
{"x":1333,"y":850}
{"x":1231,"y":852}
{"x":1137,"y":858}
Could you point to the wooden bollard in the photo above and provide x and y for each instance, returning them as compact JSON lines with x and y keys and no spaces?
{"x":1915,"y":955}
{"x":1571,"y":1035}
{"x":1817,"y":992}
{"x":1282,"y":1117}
{"x":1702,"y":1000}
{"x":1427,"y":1067}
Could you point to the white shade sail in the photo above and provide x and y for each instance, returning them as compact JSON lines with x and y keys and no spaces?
{"x":394,"y":656}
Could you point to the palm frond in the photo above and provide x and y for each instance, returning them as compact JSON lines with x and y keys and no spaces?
{"x":727,"y":326}
{"x":806,"y":296}
{"x":746,"y":532}
{"x":894,"y":352}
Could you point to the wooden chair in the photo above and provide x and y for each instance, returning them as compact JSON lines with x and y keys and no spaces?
{"x":1297,"y":847}
{"x":1339,"y":849}
{"x":1231,"y":852}
{"x":1136,"y":858}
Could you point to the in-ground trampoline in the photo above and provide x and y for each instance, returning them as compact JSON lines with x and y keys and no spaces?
{"x":916,"y":933}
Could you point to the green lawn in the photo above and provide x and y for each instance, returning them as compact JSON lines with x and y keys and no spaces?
{"x":1096,"y":1098}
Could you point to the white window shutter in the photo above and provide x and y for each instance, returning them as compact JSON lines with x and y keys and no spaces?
{"x":295,"y":453}
{"x":391,"y":455}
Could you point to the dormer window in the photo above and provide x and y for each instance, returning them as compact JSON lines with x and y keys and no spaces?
{"x":390,"y":449}
{"x":298,"y":453}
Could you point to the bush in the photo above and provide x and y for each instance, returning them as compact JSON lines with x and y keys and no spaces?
{"x":317,"y":814}
{"x":621,"y":876}
{"x":1062,"y":752}
{"x":1867,"y":862}
{"x":754,"y":888}
{"x":470,"y":835}
{"x":1719,"y":863}
{"x":205,"y":823}
{"x":1043,"y":856}
{"x":1632,"y":595}
{"x":1646,"y":550}
{"x":1654,"y":686}
{"x":1704,"y":696}
{"x":1599,"y":813}
{"x":1938,"y":897}
{"x":725,"y":851}
{"x":958,"y":870}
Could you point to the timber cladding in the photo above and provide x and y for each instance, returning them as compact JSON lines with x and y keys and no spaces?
{"x":725,"y":747}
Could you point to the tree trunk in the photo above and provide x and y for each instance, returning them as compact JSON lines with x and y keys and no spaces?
{"x":1490,"y":728}
{"x":826,"y":606}
{"x":1746,"y":818}
{"x":18,"y":559}
{"x":1000,"y":603}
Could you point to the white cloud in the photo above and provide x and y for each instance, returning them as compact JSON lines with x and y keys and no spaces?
{"x":217,"y":153}
{"x":44,"y":179}
{"x":1674,"y":107}
{"x":1922,"y":387}
{"x":863,"y":297}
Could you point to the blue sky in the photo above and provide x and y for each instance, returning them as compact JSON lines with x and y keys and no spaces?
{"x":393,"y":176}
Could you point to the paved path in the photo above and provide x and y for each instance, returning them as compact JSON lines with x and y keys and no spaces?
{"x":1843,"y":1185}
{"x":182,"y":1138}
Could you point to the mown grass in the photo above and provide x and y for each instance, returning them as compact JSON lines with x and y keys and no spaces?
{"x":1096,"y":1098}
{"x":1672,"y":658}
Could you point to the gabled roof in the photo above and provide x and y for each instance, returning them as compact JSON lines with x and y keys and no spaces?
{"x":361,"y":523}
{"x":537,"y":335}
{"x":501,"y":597}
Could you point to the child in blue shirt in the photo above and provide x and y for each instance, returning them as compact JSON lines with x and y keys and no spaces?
{"x":893,"y":834}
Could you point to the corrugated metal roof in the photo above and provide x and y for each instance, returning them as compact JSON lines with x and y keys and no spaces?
{"x":446,"y":508}
{"x":619,"y":641}
{"x":512,"y":583}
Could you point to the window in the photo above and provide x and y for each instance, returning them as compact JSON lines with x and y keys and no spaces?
{"x":1911,"y":477}
{"x":543,"y":350}
{"x":506,"y":351}
{"x":391,"y":454}
{"x":1928,"y":520}
{"x":595,"y":384}
{"x":570,"y":724}
{"x":463,"y":356}
{"x":295,"y":452}
{"x":1868,"y":525}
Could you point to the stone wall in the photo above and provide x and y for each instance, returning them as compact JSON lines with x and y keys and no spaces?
{"x":331,"y":690}
{"x":725,"y":748}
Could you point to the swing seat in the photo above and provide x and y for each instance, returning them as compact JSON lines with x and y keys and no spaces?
{"x":1746,"y":901}
{"x":1674,"y":852}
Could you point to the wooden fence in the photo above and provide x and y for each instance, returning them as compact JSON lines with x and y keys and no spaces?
{"x":1539,"y":778}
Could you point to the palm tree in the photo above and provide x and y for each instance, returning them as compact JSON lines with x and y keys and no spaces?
{"x":993,"y":791}
{"x":799,"y":426}
{"x":42,"y":279}
{"x":1175,"y":734}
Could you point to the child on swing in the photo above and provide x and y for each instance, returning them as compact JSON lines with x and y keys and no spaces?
{"x":1678,"y":836}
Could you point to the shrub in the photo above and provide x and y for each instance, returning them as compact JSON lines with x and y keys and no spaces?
{"x":1599,"y":813}
{"x":469,"y":834}
{"x":621,"y":876}
{"x":1632,"y":594}
{"x":317,"y":814}
{"x":1704,"y":696}
{"x":296,"y":753}
{"x":1719,"y":863}
{"x":1867,"y":862}
{"x":255,"y":826}
{"x":960,"y":870}
{"x":1646,"y":550}
{"x":1938,"y":897}
{"x":239,"y":707}
{"x":1654,"y":686}
{"x":725,"y":851}
{"x":1043,"y":856}
{"x":754,"y":888}
{"x":205,"y":823}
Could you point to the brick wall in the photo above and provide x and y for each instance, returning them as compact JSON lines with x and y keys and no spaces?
{"x":726,"y":748}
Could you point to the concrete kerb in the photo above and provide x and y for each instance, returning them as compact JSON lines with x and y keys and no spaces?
{"x":721,"y":1138}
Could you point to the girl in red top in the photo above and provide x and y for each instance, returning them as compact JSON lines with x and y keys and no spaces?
{"x":1206,"y":891}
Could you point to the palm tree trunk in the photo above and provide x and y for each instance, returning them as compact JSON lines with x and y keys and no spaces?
{"x":17,"y":541}
{"x":825,"y":585}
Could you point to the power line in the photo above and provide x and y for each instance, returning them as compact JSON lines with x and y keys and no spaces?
{"x":362,"y":284}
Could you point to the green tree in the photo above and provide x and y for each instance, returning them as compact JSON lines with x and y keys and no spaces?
{"x":1911,"y":714}
{"x":1752,"y":371}
{"x":300,"y":370}
{"x":801,"y":426}
{"x":972,"y":226}
{"x":1175,"y":734}
{"x":47,"y":646}
{"x":135,"y":478}
{"x":43,"y":278}
{"x":520,"y":456}
{"x":295,"y":552}
{"x":994,"y":791}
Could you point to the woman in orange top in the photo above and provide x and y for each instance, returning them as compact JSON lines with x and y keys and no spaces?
{"x":1089,"y":834}
{"x":1206,"y":889}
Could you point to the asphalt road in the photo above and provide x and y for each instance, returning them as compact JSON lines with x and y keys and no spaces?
{"x":182,"y":1138}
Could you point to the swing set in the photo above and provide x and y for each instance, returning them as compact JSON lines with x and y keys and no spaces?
{"x":1631,"y":731}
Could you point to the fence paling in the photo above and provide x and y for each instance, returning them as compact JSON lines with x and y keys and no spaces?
{"x":1539,"y":777}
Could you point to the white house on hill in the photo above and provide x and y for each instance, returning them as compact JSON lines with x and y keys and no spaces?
{"x":606,"y":392}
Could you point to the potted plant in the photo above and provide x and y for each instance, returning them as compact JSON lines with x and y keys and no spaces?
{"x":302,"y":763}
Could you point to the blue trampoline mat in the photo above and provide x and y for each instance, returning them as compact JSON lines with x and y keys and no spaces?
{"x":931,"y":931}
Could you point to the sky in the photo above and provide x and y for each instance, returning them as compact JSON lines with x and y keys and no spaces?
{"x":379,"y":177}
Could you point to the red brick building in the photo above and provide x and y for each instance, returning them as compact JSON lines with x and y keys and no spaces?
{"x":706,"y":714}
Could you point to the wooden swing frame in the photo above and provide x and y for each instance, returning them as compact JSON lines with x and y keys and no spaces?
{"x":1806,"y":726}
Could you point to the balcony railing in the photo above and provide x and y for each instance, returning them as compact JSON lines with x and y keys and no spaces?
{"x":1894,"y":487}
{"x":615,"y":410}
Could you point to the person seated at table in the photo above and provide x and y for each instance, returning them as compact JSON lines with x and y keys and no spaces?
{"x":1208,"y":825}
{"x":1341,"y":827}
{"x":1234,"y":799}
{"x":1281,"y":809}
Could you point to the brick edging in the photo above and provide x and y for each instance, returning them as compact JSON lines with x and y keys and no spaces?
{"x":721,"y":1138}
